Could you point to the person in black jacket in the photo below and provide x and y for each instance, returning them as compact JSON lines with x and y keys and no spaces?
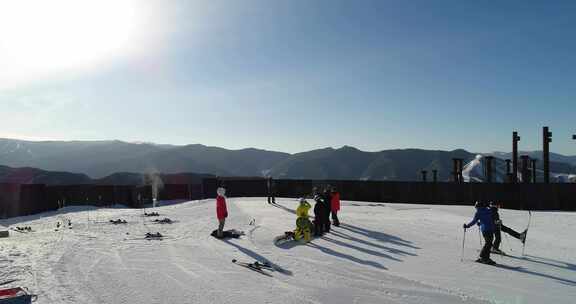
{"x":326,"y":199}
{"x":319,"y":214}
{"x":501,"y":228}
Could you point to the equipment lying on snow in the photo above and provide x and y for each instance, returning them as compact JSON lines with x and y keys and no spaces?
{"x":227,"y":234}
{"x":256,"y":266}
{"x":156,"y":235}
{"x":164,"y":221}
{"x":151,"y":214}
{"x":286,"y":237}
{"x":118,"y":221}
{"x":16,"y":295}
{"x":24,"y":229}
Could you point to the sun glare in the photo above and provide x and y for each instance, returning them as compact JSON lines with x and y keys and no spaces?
{"x":41,"y":38}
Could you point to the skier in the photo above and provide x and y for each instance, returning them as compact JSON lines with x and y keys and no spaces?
{"x":221,"y":211}
{"x":303,"y":225}
{"x":327,"y":200}
{"x":335,"y":206}
{"x":499,"y":226}
{"x":319,"y":214}
{"x":484,"y":217}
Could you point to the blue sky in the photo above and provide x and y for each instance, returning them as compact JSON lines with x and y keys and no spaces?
{"x":298,"y":75}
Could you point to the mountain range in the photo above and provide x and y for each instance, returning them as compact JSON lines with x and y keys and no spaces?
{"x":105,"y":162}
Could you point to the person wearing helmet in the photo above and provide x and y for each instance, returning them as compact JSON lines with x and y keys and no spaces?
{"x":221,"y":211}
{"x":499,"y":227}
{"x":303,"y":225}
{"x":483,"y":216}
{"x":319,"y":214}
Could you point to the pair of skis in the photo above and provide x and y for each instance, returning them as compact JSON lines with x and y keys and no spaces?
{"x":256,"y":266}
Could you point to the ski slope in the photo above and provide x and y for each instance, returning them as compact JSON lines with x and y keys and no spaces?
{"x":382,"y":253}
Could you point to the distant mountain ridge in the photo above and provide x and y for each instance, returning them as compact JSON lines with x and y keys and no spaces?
{"x":54,"y":178}
{"x":96,"y":161}
{"x":351,"y":163}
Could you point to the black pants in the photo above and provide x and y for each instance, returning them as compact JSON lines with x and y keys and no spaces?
{"x":326,"y":222}
{"x":488,"y":238}
{"x":335,"y":218}
{"x":498,"y":235}
{"x":318,"y":227}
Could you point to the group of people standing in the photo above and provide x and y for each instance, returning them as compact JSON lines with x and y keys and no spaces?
{"x":491,"y":226}
{"x":327,"y":202}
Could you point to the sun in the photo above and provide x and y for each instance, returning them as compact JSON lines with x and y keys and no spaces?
{"x":39,"y":38}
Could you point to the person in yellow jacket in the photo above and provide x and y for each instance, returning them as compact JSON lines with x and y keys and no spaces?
{"x":303,"y":224}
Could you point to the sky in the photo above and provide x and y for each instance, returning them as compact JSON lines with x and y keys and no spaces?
{"x":291,"y":75}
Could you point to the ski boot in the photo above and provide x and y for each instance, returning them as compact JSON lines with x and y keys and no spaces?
{"x":497,"y":251}
{"x":487,"y":261}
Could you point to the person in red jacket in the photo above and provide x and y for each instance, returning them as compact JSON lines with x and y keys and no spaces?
{"x":221,"y":210}
{"x":335,"y":206}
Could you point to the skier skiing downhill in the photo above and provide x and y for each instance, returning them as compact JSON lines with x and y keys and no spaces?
{"x":221,"y":211}
{"x":499,"y":227}
{"x":483,"y":215}
{"x":335,"y":206}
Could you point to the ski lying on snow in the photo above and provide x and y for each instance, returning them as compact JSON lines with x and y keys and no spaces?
{"x":256,"y":266}
{"x":149,"y":238}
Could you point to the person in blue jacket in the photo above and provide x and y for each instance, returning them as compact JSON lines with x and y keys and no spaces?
{"x":483,"y":217}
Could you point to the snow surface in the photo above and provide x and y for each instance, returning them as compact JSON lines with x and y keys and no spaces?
{"x":382,"y":253}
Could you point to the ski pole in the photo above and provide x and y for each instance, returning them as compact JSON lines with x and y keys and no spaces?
{"x":480,"y":238}
{"x":527,"y":227}
{"x":463,"y":242}
{"x":508,"y":242}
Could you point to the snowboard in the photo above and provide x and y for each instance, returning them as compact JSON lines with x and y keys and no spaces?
{"x":227,"y":234}
{"x":284,"y":238}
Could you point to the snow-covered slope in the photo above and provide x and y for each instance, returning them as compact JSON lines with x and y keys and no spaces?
{"x":474,"y":171}
{"x":391,"y":253}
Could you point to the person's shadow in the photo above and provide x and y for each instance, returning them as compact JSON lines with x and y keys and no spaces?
{"x":377,"y":235}
{"x":347,"y":256}
{"x":546,"y":262}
